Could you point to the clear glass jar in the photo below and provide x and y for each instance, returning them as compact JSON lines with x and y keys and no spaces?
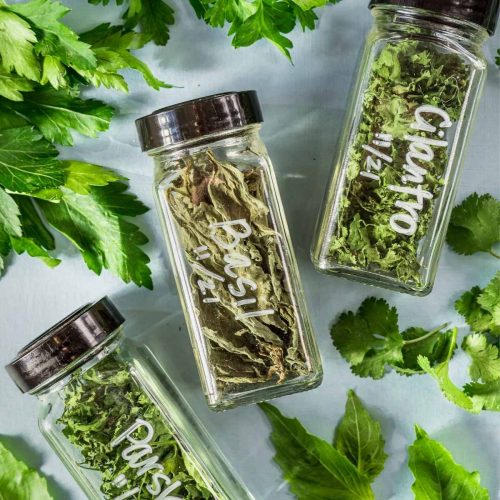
{"x":396,"y":171}
{"x":117,"y":423}
{"x":229,"y":244}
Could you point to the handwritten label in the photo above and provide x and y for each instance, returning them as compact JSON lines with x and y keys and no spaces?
{"x":139,"y":455}
{"x":240,"y":287}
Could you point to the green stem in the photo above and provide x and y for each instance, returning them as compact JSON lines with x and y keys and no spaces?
{"x":426,"y":336}
{"x":491,"y":252}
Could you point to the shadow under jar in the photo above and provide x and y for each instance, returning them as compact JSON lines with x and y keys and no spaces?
{"x":114,"y":417}
{"x":398,"y":165}
{"x":228,"y":241}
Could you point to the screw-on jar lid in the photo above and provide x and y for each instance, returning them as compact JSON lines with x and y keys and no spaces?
{"x":197,"y":118}
{"x":64,"y":343}
{"x":482,"y":12}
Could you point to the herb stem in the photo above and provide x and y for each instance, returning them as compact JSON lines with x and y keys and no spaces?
{"x":426,"y":336}
{"x":491,"y":252}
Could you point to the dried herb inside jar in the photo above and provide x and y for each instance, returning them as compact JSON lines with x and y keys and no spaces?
{"x":398,"y":159}
{"x":122,"y":436}
{"x":238,"y":280}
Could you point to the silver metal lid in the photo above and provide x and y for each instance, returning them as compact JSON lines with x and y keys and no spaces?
{"x":194,"y":119}
{"x":64,"y":343}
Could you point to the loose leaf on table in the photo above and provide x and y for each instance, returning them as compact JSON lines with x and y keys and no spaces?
{"x":95,"y":224}
{"x":438,"y":476}
{"x":475,"y":225}
{"x":313,"y":467}
{"x":28,"y":164}
{"x":481,"y":307}
{"x":440,"y":372}
{"x":484,"y":396}
{"x":18,"y":481}
{"x":371,"y":341}
{"x":485,"y":364}
{"x":56,"y":112}
{"x":359,"y":438}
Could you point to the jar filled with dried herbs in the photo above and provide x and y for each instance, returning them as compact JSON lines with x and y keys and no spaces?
{"x":115,"y":420}
{"x":229,"y":245}
{"x":398,"y":164}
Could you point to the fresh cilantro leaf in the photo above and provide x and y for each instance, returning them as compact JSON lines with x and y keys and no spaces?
{"x":12,"y":86}
{"x":95,"y":224}
{"x":475,"y":225}
{"x":16,"y":45}
{"x":371,"y":341}
{"x":482,"y":319}
{"x":485,"y":396}
{"x":438,"y":476}
{"x":56,"y":39}
{"x":18,"y":481}
{"x":313,"y":467}
{"x":56,"y":112}
{"x":485,"y":364}
{"x":28,"y":164}
{"x":359,"y":438}
{"x":440,"y":372}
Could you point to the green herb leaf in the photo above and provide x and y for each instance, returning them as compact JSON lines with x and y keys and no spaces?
{"x":95,"y":224}
{"x":359,"y":438}
{"x":18,"y":481}
{"x":438,"y":476}
{"x":28,"y":164}
{"x":440,"y":373}
{"x":9,"y":215}
{"x":475,"y":225}
{"x":12,"y":86}
{"x":481,"y":308}
{"x":485,"y":364}
{"x":313,"y":467}
{"x":55,"y":112}
{"x":81,"y":176}
{"x":485,"y":396}
{"x":16,"y":45}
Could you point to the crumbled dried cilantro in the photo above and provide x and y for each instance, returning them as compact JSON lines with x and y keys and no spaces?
{"x":404,"y":76}
{"x":104,"y":402}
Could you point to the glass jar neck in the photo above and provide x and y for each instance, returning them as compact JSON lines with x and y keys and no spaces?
{"x":205,"y":141}
{"x":79,"y":366}
{"x":412,"y":21}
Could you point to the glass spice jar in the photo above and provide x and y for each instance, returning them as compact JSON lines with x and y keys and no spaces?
{"x":396,"y":172}
{"x":228,"y":241}
{"x":117,"y":422}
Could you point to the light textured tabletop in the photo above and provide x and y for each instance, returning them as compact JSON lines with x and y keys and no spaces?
{"x":303,"y":106}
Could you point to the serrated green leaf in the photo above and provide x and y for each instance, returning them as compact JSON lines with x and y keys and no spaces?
{"x":485,"y":364}
{"x":12,"y":86}
{"x":95,"y":224}
{"x":312,"y":467}
{"x":16,"y":45}
{"x":9,"y":215}
{"x":81,"y":176}
{"x":485,"y":396}
{"x":33,"y":248}
{"x":57,"y":39}
{"x":489,"y":299}
{"x":56,"y":112}
{"x":438,"y":476}
{"x":359,"y":438}
{"x":475,"y":225}
{"x":53,"y":72}
{"x":18,"y":481}
{"x":28,"y":164}
{"x":32,"y":225}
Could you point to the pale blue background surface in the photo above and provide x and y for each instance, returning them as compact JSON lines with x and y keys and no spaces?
{"x":303,"y":106}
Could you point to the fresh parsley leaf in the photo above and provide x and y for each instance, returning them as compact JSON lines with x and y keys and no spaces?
{"x":9,"y":215}
{"x":82,"y":176}
{"x":312,"y":467}
{"x":18,"y":481}
{"x":56,"y":112}
{"x":438,"y":476}
{"x":32,"y":225}
{"x":16,"y":45}
{"x":56,"y":38}
{"x":485,"y":396}
{"x":371,"y":341}
{"x":440,"y":372}
{"x":359,"y":438}
{"x":28,"y":164}
{"x":485,"y":364}
{"x":95,"y":224}
{"x":481,"y":308}
{"x":12,"y":86}
{"x":475,"y":225}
